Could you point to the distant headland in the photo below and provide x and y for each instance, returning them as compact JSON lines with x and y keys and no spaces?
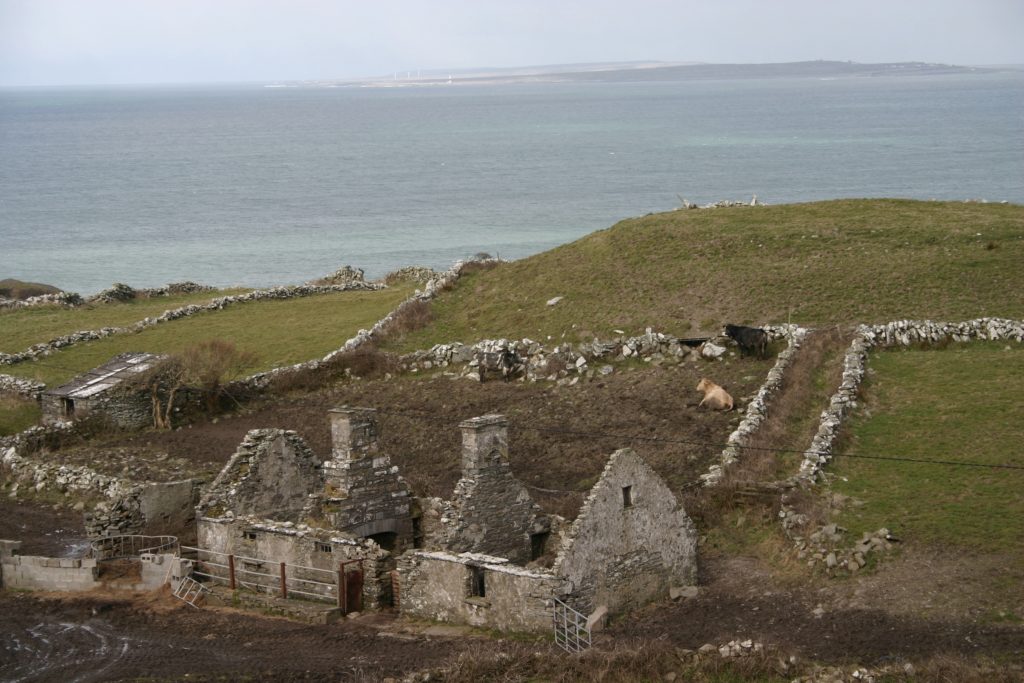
{"x":627,"y":72}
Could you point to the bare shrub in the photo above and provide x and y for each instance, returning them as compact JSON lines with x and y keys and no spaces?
{"x":366,"y":361}
{"x":409,"y":317}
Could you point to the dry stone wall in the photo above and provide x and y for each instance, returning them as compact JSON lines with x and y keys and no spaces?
{"x":757,"y":409}
{"x":825,"y":545}
{"x":896,"y":333}
{"x":220,"y":303}
{"x":19,"y":386}
{"x":434,"y":286}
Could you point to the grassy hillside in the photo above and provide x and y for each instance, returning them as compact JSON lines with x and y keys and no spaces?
{"x":21,"y":328}
{"x":688,"y":272}
{"x":280,"y":332}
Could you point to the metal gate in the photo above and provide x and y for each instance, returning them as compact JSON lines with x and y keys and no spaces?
{"x":572,"y":633}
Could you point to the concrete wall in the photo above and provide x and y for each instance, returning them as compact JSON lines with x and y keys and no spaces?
{"x":437,"y":585}
{"x":67,"y":574}
{"x":625,"y":556}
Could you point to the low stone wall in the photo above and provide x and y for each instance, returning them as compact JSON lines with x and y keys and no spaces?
{"x":896,"y":333}
{"x":129,"y":508}
{"x":438,"y":586}
{"x":757,"y":409}
{"x":564,"y":363}
{"x":220,"y":303}
{"x":436,"y":285}
{"x":825,"y":544}
{"x":19,"y":386}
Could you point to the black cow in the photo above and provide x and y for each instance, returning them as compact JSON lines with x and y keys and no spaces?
{"x":750,"y":339}
{"x":505,"y":361}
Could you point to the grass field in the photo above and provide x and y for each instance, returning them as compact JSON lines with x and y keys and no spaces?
{"x":21,"y":328}
{"x":280,"y":332}
{"x":963,"y":403}
{"x":17,"y":414}
{"x":689,"y":272}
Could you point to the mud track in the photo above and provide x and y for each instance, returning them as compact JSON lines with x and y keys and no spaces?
{"x":92,"y":638}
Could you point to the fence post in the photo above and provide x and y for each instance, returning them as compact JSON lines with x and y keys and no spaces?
{"x":284,"y":583}
{"x":341,"y":587}
{"x":231,"y":572}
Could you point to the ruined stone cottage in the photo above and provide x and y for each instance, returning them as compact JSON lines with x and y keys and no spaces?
{"x":275,"y":499}
{"x":93,"y":393}
{"x":476,"y":559}
{"x":630,"y":545}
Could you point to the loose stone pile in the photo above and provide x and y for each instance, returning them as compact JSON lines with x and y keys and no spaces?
{"x":68,"y":299}
{"x":724,"y":203}
{"x":565,"y":364}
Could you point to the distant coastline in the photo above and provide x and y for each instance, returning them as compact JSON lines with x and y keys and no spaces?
{"x":625,"y":72}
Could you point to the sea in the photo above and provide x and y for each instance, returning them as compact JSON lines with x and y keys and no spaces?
{"x":255,"y":186}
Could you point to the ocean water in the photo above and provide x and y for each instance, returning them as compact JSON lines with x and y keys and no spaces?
{"x":256,"y":186}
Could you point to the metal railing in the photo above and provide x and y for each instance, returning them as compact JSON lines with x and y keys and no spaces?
{"x":572,"y":633}
{"x":118,"y":547}
{"x":264,"y":575}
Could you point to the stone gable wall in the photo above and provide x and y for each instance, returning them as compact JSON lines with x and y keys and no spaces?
{"x":271,"y":474}
{"x":626,"y":556}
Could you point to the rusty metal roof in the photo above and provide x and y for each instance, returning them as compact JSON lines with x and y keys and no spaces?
{"x":106,"y":376}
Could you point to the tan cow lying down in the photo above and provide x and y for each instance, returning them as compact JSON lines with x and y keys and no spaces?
{"x":715,"y":397}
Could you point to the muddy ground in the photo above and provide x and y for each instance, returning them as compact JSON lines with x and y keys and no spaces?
{"x":92,"y":637}
{"x":42,"y":529}
{"x":560,"y":437}
{"x":100,"y":637}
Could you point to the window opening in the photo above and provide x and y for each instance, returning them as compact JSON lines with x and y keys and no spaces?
{"x":627,"y":496}
{"x":477,"y":585}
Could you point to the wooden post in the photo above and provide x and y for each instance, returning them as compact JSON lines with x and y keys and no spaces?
{"x":284,"y":583}
{"x":341,"y":586}
{"x":231,"y":572}
{"x":344,"y":590}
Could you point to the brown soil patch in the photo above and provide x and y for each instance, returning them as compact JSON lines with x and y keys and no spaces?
{"x":42,"y":529}
{"x":743,"y":599}
{"x":560,"y":437}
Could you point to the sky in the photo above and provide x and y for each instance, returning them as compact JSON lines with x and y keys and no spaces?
{"x":80,"y":42}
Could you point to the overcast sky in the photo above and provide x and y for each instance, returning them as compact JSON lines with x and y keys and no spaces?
{"x":51,"y":42}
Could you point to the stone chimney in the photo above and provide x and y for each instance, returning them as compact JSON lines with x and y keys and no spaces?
{"x":484,"y":444}
{"x":354,"y":433}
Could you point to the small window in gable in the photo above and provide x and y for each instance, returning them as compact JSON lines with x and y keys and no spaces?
{"x":249,"y":535}
{"x":324,"y":548}
{"x":627,"y":496}
{"x":477,"y":586}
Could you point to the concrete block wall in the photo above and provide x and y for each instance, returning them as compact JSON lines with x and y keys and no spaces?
{"x":44,"y":573}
